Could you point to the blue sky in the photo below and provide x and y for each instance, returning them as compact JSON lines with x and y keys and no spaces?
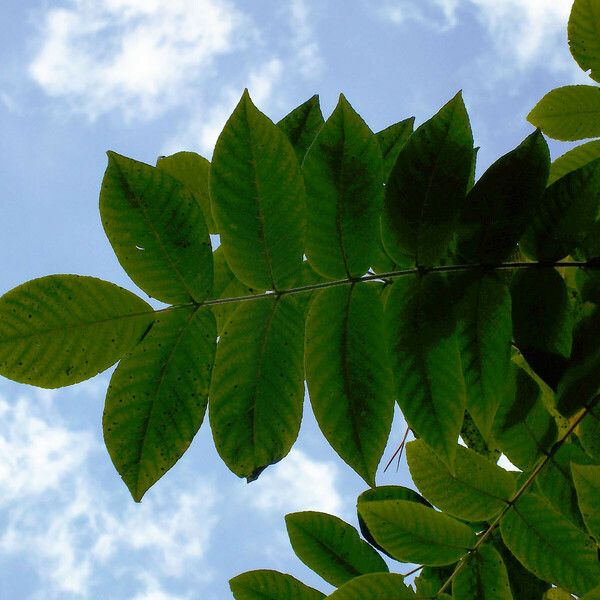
{"x":146,"y":78}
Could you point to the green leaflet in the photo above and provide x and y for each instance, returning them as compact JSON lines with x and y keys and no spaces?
{"x":589,"y":433}
{"x":579,"y":385}
{"x":426,"y":361}
{"x":574,"y":159}
{"x":257,"y":390}
{"x":226,"y":286}
{"x":550,"y":546}
{"x":378,"y":494}
{"x":348,"y":374}
{"x":258,"y":200}
{"x":271,"y":585}
{"x":523,"y":428}
{"x":157,"y":230}
{"x":302,"y":125}
{"x":568,"y":113}
{"x":474,"y":440}
{"x":157,"y":397}
{"x":477,"y":491}
{"x":63,"y":329}
{"x":587,"y":484}
{"x":484,"y":577}
{"x":391,"y":141}
{"x":557,"y":594}
{"x":584,"y":36}
{"x":555,"y":482}
{"x":192,"y":170}
{"x":542,"y":321}
{"x":427,"y":185}
{"x":331,"y":547}
{"x":431,"y":579}
{"x":484,"y":334}
{"x":344,"y":188}
{"x":374,"y":586}
{"x":499,"y":206}
{"x":566,"y":214}
{"x":593,"y":594}
{"x":411,"y":532}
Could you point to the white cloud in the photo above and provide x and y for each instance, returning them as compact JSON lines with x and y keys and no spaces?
{"x":140,"y":57}
{"x":58,"y":517}
{"x":304,"y":42}
{"x":297,"y":483}
{"x":526,"y":32}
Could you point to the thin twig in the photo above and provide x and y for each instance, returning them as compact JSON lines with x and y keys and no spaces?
{"x":398,"y":451}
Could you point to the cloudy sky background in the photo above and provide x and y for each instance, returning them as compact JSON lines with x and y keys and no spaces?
{"x":146,"y":78}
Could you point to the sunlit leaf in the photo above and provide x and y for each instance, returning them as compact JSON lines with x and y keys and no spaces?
{"x":374,"y":586}
{"x":192,"y":170}
{"x":584,"y":36}
{"x":157,"y":397}
{"x":302,"y":125}
{"x":157,"y":230}
{"x":258,"y":200}
{"x":331,"y":547}
{"x":343,"y":171}
{"x":63,"y":329}
{"x":348,"y":374}
{"x":271,"y":585}
{"x":574,"y":159}
{"x":567,"y":113}
{"x":426,"y":361}
{"x":484,"y":577}
{"x":411,"y":532}
{"x":257,"y":389}
{"x":550,"y":546}
{"x":427,"y":185}
{"x":477,"y":491}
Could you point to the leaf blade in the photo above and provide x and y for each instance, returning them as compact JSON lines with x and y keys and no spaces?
{"x":583,"y":32}
{"x":264,"y":584}
{"x":302,"y":125}
{"x":587,"y":484}
{"x":374,"y":586}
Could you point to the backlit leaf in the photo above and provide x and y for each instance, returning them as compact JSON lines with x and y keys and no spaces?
{"x":567,"y":113}
{"x":565,"y":215}
{"x":331,"y":547}
{"x":411,"y":532}
{"x":192,"y":170}
{"x":374,"y":586}
{"x":484,"y":577}
{"x":302,"y":126}
{"x":157,"y":397}
{"x":157,"y":230}
{"x":258,"y":200}
{"x":550,"y":546}
{"x":63,"y":329}
{"x":477,"y":491}
{"x":427,"y":185}
{"x":584,"y":36}
{"x":574,"y":159}
{"x":343,"y":172}
{"x":257,"y":389}
{"x":348,"y":374}
{"x":271,"y":585}
{"x":587,"y":484}
{"x":500,"y":205}
{"x":426,"y":361}
{"x":391,"y":141}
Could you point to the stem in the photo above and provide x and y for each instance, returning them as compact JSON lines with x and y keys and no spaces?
{"x":510,"y":503}
{"x":402,"y":273}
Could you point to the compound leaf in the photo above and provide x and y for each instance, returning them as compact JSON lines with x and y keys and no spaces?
{"x":343,"y":172}
{"x":63,"y":329}
{"x":258,"y":200}
{"x":411,"y":532}
{"x":331,"y":547}
{"x":302,"y":125}
{"x":348,"y":374}
{"x":157,"y":230}
{"x":568,"y":113}
{"x":427,"y":185}
{"x":426,"y":361}
{"x":192,"y":170}
{"x":257,"y":387}
{"x":264,"y":584}
{"x":157,"y":397}
{"x":477,"y":491}
{"x":550,"y":546}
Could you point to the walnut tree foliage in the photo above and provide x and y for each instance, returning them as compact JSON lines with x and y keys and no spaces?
{"x":373,"y":267}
